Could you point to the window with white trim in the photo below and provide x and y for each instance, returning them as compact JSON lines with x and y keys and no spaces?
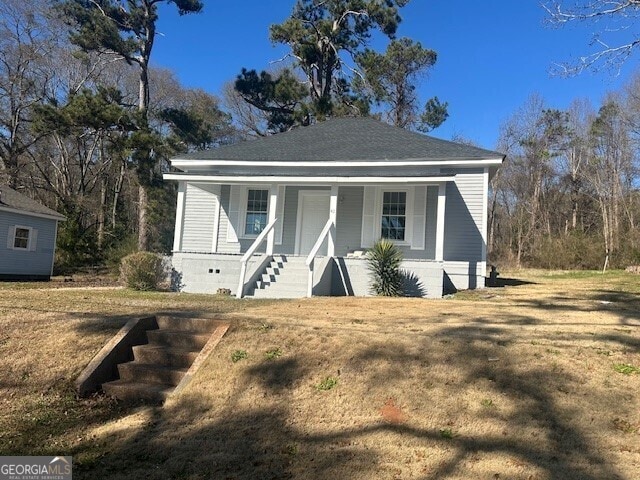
{"x":394,"y":216}
{"x":21,"y":238}
{"x":257,"y":212}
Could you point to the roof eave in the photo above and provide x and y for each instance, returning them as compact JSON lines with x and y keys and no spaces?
{"x":48,"y":216}
{"x":433,"y":162}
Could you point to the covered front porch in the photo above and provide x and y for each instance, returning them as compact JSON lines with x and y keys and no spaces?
{"x":293,"y":239}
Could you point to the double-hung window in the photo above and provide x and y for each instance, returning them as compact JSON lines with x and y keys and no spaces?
{"x":395,"y":213}
{"x":394,"y":216}
{"x":21,"y":238}
{"x":257,"y":211}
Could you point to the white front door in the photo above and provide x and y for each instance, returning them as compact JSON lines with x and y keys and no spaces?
{"x":313,"y":214}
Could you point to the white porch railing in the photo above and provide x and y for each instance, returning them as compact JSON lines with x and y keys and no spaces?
{"x":252,"y":249}
{"x":327,"y":230}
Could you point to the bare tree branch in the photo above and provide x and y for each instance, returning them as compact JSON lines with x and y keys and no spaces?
{"x":618,"y":16}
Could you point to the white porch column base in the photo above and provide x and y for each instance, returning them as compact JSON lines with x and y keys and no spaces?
{"x":442,"y":196}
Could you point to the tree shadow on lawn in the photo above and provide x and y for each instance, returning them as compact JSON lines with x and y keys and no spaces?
{"x":625,"y":305}
{"x":186,"y":439}
{"x":507,"y":319}
{"x":561,"y":449}
{"x":508,"y":282}
{"x":44,"y":427}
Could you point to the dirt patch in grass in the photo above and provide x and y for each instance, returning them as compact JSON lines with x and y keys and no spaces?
{"x":513,"y":382}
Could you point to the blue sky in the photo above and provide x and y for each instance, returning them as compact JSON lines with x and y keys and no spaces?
{"x":492,"y":55}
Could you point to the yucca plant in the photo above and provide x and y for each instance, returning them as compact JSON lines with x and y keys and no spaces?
{"x":384,"y":263}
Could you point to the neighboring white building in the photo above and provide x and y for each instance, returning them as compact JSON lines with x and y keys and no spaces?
{"x":290,"y":215}
{"x":30,"y":230}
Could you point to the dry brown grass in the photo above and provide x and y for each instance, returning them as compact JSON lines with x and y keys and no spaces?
{"x":515,"y":382}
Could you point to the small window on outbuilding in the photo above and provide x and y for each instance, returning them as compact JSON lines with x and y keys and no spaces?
{"x":21,"y":238}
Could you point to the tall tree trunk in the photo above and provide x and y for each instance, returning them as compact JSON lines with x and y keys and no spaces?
{"x":615,"y":212}
{"x":143,"y":174}
{"x":103,"y":202}
{"x":606,"y":228}
{"x":535,"y":204}
{"x":575,"y":198}
{"x":116,"y":194}
{"x":143,"y":228}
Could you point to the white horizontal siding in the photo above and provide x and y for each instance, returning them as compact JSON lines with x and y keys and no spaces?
{"x":463,"y":238}
{"x":463,"y":217}
{"x":224,"y":245}
{"x":201,"y":207}
{"x":349,"y":220}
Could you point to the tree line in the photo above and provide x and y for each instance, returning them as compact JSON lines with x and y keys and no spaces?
{"x":567,"y":196}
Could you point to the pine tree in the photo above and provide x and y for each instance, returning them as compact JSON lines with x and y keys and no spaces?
{"x":127,"y":28}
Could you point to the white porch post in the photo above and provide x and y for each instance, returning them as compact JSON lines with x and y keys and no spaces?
{"x":273,"y":208}
{"x":442,"y":196}
{"x":333,"y":214}
{"x":177,"y":234}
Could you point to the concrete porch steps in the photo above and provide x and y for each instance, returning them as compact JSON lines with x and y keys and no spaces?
{"x":284,"y":277}
{"x":173,"y":352}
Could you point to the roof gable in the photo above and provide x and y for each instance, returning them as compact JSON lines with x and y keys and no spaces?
{"x":12,"y":200}
{"x":345,"y":139}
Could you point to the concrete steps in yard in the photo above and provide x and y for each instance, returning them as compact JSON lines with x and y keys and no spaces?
{"x":284,"y":277}
{"x":129,"y":391}
{"x":173,"y":352}
{"x":161,"y":355}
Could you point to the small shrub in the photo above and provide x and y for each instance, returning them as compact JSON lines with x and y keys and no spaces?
{"x":291,"y":449}
{"x":486,"y":402}
{"x":626,"y":369}
{"x":327,"y":384}
{"x":447,"y":433}
{"x":273,"y":353}
{"x":239,"y":355}
{"x":384,"y":263}
{"x":265,"y":327}
{"x":142,"y":271}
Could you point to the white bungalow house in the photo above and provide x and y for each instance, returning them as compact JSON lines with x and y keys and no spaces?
{"x":290,"y":215}
{"x":30,"y":230}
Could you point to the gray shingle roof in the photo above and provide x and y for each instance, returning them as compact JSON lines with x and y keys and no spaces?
{"x":345,"y":139}
{"x":9,"y":198}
